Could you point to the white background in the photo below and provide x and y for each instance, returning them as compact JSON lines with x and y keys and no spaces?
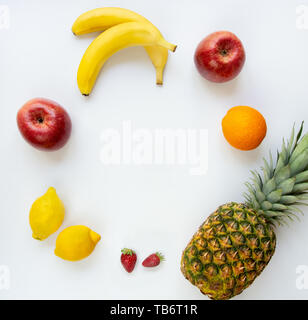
{"x":148,"y":208}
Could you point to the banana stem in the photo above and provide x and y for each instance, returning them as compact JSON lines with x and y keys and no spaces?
{"x":159,"y":75}
{"x":167,"y":45}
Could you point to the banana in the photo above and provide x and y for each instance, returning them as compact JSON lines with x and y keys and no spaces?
{"x":101,"y":19}
{"x":112,"y":40}
{"x":159,"y":57}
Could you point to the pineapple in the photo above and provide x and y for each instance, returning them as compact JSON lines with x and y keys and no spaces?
{"x":236,"y":242}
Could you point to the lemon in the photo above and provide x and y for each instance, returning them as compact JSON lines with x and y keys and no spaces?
{"x":46,"y":215}
{"x":76,"y":243}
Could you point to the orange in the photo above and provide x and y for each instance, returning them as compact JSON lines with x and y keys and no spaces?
{"x":244,"y":127}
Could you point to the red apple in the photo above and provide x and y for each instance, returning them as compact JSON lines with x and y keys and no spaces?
{"x":44,"y":124}
{"x":220,"y":56}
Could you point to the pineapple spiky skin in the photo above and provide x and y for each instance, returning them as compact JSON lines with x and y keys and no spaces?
{"x":237,"y":241}
{"x":227,"y":253}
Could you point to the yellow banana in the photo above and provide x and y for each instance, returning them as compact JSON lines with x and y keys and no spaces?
{"x":101,"y":19}
{"x":112,"y":40}
{"x":159,"y":57}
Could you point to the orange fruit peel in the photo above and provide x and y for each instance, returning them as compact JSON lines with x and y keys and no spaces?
{"x":244,"y":127}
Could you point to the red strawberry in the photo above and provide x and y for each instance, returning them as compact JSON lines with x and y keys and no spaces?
{"x":153,"y":260}
{"x":128,"y":259}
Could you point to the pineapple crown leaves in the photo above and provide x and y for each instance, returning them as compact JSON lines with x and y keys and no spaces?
{"x":280,"y":189}
{"x":129,"y":252}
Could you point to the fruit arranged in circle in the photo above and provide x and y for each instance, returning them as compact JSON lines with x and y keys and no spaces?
{"x":46,"y":215}
{"x":244,"y":127}
{"x":101,"y":19}
{"x":153,"y":260}
{"x":76,"y":243}
{"x":128,"y":259}
{"x":44,"y":124}
{"x":236,"y":242}
{"x":116,"y":38}
{"x":220,"y":56}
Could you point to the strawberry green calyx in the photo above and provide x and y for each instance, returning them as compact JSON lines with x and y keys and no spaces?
{"x":160,"y":256}
{"x":129,"y":252}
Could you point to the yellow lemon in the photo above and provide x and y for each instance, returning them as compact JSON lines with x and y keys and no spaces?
{"x":76,"y":243}
{"x":46,"y":215}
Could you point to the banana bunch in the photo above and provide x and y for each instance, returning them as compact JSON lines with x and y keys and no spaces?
{"x":124,"y":28}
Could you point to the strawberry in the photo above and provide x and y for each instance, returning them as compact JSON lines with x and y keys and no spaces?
{"x":153,"y":260}
{"x":128,"y":259}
